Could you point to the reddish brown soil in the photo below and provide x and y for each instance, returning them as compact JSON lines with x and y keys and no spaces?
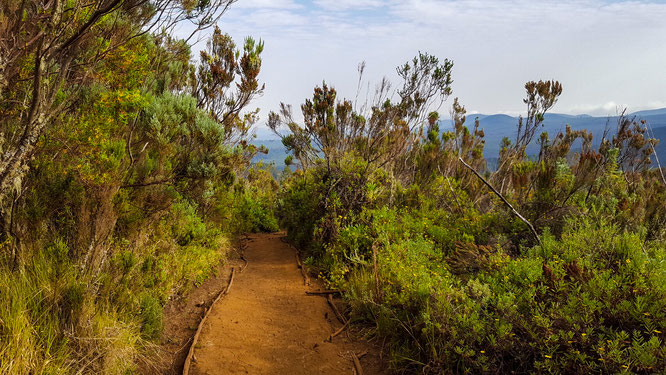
{"x":182,"y":316}
{"x":268,"y":325}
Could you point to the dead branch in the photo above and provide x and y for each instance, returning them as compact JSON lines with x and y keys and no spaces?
{"x":506,"y":202}
{"x":340,"y":317}
{"x":298,"y":261}
{"x":241,"y":253}
{"x":306,"y":278}
{"x":242,"y":257}
{"x":321,"y":292}
{"x":339,"y":331}
{"x":300,"y":265}
{"x":357,"y":364}
{"x":226,"y":290}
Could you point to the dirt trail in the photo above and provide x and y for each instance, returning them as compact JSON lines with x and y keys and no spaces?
{"x":268,"y":325}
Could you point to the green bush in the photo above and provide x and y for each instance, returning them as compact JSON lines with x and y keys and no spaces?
{"x":458,"y":290}
{"x":257,"y":216}
{"x":592,"y":301}
{"x":151,"y":317}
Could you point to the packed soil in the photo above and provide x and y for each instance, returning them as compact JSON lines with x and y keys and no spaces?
{"x":267,"y":324}
{"x":182,"y":316}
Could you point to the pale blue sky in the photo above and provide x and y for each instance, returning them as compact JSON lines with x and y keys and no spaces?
{"x":605,"y":53}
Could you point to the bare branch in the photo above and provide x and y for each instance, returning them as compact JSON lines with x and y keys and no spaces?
{"x":501,"y":197}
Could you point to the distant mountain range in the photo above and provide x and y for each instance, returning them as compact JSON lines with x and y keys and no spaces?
{"x":498,"y":126}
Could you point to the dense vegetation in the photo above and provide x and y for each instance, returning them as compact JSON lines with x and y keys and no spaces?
{"x":552,"y":263}
{"x":123,"y":175}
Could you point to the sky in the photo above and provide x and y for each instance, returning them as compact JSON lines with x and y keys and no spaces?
{"x":607,"y":54}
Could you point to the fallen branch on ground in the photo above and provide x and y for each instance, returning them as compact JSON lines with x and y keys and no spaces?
{"x":304,"y":272}
{"x":246,"y":263}
{"x":340,"y":317}
{"x":357,"y":364}
{"x":306,"y":278}
{"x":241,"y":253}
{"x":298,"y":261}
{"x":339,"y":331}
{"x":321,"y":292}
{"x":226,"y":290}
{"x":190,"y":354}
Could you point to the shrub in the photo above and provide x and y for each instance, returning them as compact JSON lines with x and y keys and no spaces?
{"x":456,"y":287}
{"x":151,"y":317}
{"x":592,"y":301}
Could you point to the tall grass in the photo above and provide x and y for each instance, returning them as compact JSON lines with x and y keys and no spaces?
{"x":55,"y":319}
{"x":32,"y":339}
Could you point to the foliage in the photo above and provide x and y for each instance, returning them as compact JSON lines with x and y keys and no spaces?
{"x":125,"y":168}
{"x":223,"y":67}
{"x":378,"y":134}
{"x":256,"y":200}
{"x":54,"y":50}
{"x":455,"y":281}
{"x":115,"y":178}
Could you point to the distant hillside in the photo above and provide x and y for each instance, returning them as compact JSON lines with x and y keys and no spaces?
{"x":650,"y":112}
{"x":498,"y":126}
{"x":276,"y":152}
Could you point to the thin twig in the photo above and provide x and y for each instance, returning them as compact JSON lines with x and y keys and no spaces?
{"x":654,"y":151}
{"x":340,"y":317}
{"x":339,"y":331}
{"x":453,"y":193}
{"x":506,"y":202}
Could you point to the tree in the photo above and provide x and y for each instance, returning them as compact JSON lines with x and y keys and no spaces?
{"x":379,"y":133}
{"x":223,"y":67}
{"x":50,"y":49}
{"x":541,"y":97}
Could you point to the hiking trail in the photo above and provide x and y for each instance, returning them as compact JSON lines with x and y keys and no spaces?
{"x":267,"y":324}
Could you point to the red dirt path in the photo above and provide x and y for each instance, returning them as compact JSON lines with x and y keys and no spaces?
{"x":268,"y":325}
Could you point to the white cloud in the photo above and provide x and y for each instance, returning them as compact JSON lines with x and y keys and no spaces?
{"x":612,"y":108}
{"x":606,"y":109}
{"x":344,"y":5}
{"x":267,"y":4}
{"x":602,"y":52}
{"x":277,"y":19}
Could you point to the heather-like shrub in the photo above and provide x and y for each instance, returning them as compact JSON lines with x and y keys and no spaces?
{"x":443,"y":266}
